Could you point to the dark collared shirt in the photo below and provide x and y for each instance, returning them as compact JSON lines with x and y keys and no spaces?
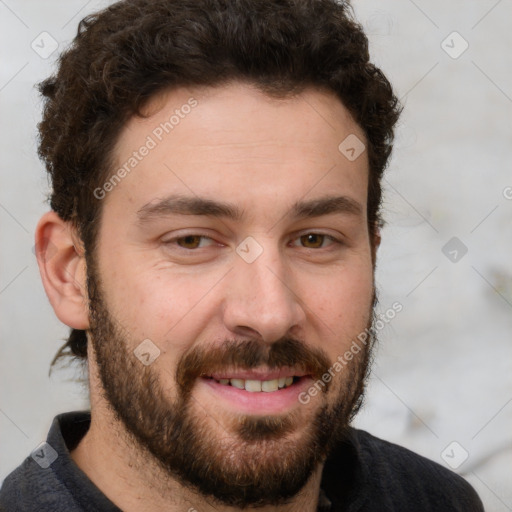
{"x":363,"y":474}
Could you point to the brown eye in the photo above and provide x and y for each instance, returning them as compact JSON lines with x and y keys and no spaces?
{"x":189,"y":242}
{"x":312,"y":240}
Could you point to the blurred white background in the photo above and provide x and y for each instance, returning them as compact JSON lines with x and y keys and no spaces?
{"x":442,"y":381}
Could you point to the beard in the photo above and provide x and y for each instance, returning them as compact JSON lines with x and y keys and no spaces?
{"x":256,"y":460}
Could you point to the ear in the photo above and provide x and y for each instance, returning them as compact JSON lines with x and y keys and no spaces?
{"x":375,"y":243}
{"x":61,"y":261}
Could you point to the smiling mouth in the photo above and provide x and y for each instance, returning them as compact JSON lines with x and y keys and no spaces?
{"x":257,"y":391}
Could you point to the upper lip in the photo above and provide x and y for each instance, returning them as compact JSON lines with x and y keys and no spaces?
{"x":256,"y":374}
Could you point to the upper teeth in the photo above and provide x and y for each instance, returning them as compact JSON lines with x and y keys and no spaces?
{"x":258,"y":385}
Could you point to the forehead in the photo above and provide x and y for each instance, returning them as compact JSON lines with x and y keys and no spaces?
{"x":234,"y":138}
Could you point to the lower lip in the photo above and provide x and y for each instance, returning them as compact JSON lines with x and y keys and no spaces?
{"x":258,"y":403}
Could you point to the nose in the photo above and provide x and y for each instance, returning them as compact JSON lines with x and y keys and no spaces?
{"x":260,"y":300}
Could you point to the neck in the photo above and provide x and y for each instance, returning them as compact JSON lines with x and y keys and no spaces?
{"x":132,"y":479}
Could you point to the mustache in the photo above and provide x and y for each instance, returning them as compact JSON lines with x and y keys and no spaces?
{"x":247,"y":355}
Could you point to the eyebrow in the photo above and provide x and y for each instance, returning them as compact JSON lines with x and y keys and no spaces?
{"x":327,"y":205}
{"x":186,"y":205}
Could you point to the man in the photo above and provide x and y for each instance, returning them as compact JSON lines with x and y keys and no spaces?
{"x":216,"y":171}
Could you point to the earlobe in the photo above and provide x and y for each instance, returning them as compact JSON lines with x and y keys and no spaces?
{"x":63,"y":270}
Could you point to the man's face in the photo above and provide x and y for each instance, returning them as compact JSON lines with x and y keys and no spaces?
{"x":238,"y":245}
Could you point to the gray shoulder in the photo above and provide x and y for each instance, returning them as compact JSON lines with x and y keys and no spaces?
{"x":30,"y":487}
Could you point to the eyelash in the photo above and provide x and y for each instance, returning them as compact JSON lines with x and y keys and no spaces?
{"x":325,"y":236}
{"x":332,"y":239}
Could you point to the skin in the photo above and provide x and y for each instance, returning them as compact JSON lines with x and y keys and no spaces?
{"x":261,"y":155}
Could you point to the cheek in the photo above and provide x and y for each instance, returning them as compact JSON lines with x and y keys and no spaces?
{"x":348,"y":313}
{"x":162,"y":305}
{"x":344,"y":300}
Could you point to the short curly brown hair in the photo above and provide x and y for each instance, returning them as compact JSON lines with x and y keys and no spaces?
{"x":124,"y":55}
